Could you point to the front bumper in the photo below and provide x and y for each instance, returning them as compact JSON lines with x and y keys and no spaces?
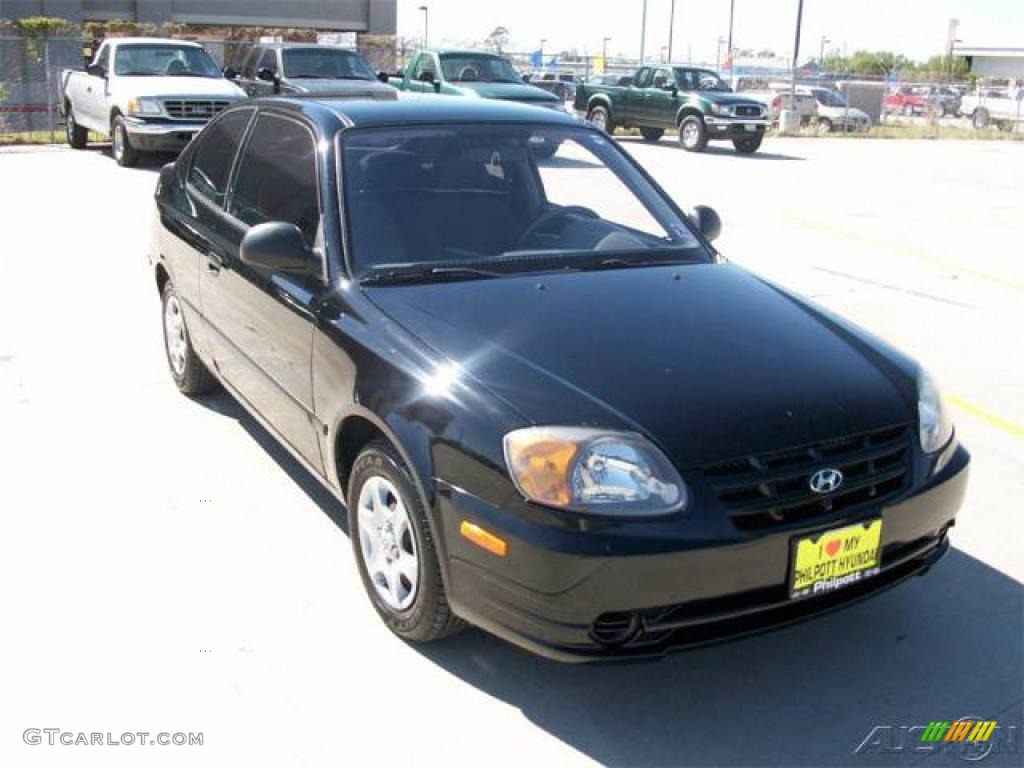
{"x":161,"y":135}
{"x":564,"y":600}
{"x":735,"y":127}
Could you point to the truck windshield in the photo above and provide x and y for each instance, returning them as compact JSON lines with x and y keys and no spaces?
{"x":491,"y":199}
{"x":159,"y":59}
{"x":467,"y":67}
{"x":325,"y":63}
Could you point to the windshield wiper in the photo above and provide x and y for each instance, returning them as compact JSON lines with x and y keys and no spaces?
{"x":428,"y":275}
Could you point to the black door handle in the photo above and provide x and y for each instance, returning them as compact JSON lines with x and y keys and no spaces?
{"x":214,"y":263}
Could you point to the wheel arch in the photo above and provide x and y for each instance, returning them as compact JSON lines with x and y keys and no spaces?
{"x":685,"y":112}
{"x":600,"y":100}
{"x":163,"y":277}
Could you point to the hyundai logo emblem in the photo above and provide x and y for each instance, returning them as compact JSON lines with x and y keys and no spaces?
{"x":826,"y":480}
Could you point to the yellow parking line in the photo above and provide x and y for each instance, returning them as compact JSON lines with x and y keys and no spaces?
{"x":989,"y":418}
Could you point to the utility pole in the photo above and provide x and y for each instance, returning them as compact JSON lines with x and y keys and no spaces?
{"x":728,"y":50}
{"x":671,"y":26}
{"x":718,"y":54}
{"x":643,"y":33}
{"x":796,"y":58}
{"x":951,"y":41}
{"x":821,"y":55}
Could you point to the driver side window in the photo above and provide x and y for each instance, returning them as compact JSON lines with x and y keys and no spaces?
{"x":269,"y":61}
{"x":425,"y":63}
{"x":662,"y":78}
{"x":103,"y":59}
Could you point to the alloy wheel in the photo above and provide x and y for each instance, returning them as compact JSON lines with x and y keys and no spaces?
{"x":387,"y":543}
{"x":174,"y":332}
{"x":691,"y":135}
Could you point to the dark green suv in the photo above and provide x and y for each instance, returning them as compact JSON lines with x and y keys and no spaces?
{"x":696,"y":103}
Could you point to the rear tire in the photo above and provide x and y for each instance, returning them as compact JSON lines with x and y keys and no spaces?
{"x":693,"y":136}
{"x":980,"y":119}
{"x":76,"y":135}
{"x":190,"y":375}
{"x":598,"y":117}
{"x":124,"y":154}
{"x":748,"y":146}
{"x":388,"y":525}
{"x":652,"y":134}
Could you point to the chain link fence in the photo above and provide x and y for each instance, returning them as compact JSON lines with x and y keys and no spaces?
{"x":30,"y":83}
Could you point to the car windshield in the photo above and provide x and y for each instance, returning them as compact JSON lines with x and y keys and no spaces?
{"x":468,"y":67}
{"x":830,"y":99}
{"x":485,"y":200}
{"x":325,"y":63}
{"x":709,"y":81}
{"x":157,"y":59}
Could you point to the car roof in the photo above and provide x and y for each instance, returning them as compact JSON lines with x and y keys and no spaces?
{"x":462,"y":52}
{"x":419,"y":109}
{"x":151,"y":41}
{"x":286,"y":46}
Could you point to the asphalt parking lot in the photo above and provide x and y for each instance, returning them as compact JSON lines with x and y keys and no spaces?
{"x":167,"y":567}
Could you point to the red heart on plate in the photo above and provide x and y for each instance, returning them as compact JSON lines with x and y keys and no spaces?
{"x":832,"y":547}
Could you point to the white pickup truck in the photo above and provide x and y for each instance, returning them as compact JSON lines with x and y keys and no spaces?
{"x":1001,"y":107}
{"x":146,"y":94}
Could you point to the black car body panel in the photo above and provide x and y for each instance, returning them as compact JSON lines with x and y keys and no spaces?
{"x":705,"y":360}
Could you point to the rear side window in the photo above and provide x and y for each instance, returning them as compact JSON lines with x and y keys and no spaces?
{"x":276,"y":180}
{"x":218,"y":145}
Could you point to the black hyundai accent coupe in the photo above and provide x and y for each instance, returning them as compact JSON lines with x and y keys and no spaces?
{"x":552,"y":409}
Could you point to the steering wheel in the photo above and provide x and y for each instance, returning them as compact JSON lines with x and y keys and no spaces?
{"x":553,"y":215}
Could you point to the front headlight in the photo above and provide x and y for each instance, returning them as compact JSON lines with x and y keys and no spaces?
{"x":934,"y":423}
{"x":594,"y":471}
{"x":721,"y":109}
{"x":144,"y":105}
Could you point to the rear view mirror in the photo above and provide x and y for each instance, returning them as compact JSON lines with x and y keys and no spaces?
{"x":277,"y":246}
{"x":706,"y":221}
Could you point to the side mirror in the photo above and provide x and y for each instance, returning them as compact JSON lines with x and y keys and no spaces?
{"x":671,"y":88}
{"x":526,"y":77}
{"x":96,"y":70}
{"x":706,"y":221}
{"x":230,"y":73}
{"x":266,"y":74}
{"x":383,"y":77}
{"x":427,"y":77}
{"x":277,"y":246}
{"x":437,"y":86}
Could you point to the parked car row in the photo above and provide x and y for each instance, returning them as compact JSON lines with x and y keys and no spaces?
{"x":910,"y":100}
{"x":821,"y":107}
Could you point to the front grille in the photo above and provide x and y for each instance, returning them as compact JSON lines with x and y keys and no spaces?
{"x":194,"y":109}
{"x":773,"y":490}
{"x":743,"y":111}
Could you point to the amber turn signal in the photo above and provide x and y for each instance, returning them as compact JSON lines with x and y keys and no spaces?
{"x":483,"y":539}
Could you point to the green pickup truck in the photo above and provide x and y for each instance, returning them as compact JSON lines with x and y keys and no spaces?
{"x":469,"y":73}
{"x":694,"y":102}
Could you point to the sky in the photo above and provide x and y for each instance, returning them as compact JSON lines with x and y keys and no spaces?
{"x":916,"y":28}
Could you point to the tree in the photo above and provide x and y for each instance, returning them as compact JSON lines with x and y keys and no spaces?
{"x":878,"y":62}
{"x":497,"y":41}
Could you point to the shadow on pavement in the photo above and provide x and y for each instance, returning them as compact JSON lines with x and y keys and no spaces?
{"x":947,"y":645}
{"x":724,"y":149}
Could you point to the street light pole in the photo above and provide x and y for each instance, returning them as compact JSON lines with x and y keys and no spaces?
{"x":821,"y":55}
{"x":671,"y":25}
{"x":643,"y":33}
{"x":718,"y":54}
{"x":426,"y":36}
{"x":542,"y":41}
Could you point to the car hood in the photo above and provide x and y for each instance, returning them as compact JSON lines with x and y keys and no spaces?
{"x":348,"y":88}
{"x":708,"y":360}
{"x":728,"y":97}
{"x":178,"y":87}
{"x":506,"y":91}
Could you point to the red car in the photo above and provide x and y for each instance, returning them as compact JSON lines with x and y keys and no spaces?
{"x":906,"y":100}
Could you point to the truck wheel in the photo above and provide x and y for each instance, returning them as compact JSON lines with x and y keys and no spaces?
{"x":693,"y":136}
{"x":824,"y":125}
{"x":76,"y":135}
{"x":748,"y":146}
{"x":598,"y":116}
{"x":124,"y":154}
{"x":190,"y":375}
{"x":652,"y":134}
{"x":394,"y":551}
{"x":980,"y":119}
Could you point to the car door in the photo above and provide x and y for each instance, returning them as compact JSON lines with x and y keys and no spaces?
{"x":196,"y":223}
{"x":662,"y":98}
{"x":92,"y":112}
{"x":261,"y":322}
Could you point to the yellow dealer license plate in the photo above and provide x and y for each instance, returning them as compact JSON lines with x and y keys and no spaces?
{"x":825,"y":562}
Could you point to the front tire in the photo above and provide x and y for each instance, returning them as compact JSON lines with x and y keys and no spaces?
{"x":748,"y":146}
{"x":190,"y":375}
{"x":824,"y":125}
{"x":980,"y":118}
{"x":394,"y":549}
{"x":124,"y":154}
{"x":598,"y":117}
{"x":652,"y":134}
{"x":693,"y":136}
{"x":76,"y":135}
